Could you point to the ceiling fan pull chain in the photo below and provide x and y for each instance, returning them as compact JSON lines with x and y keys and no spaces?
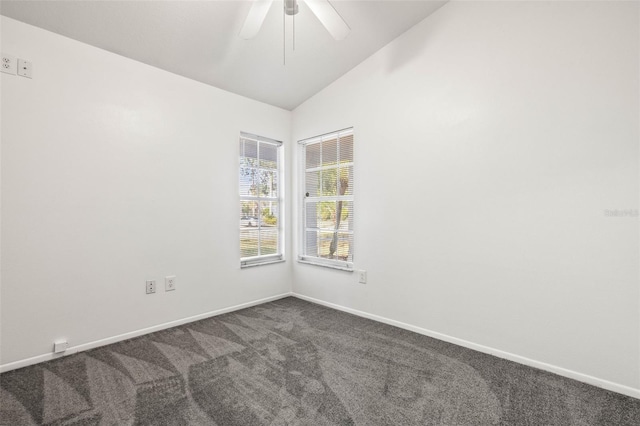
{"x":284,"y":32}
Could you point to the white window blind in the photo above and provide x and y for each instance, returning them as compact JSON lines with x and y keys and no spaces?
{"x":327,"y":201}
{"x":260,"y":200}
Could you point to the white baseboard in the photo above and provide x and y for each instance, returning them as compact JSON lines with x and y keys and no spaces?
{"x":102,"y":342}
{"x":605,"y":384}
{"x":601,"y":383}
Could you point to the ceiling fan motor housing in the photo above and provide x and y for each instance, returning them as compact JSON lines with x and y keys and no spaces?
{"x":291,"y":7}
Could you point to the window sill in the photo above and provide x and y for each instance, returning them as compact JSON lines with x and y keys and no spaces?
{"x":348,"y":267}
{"x":260,"y":263}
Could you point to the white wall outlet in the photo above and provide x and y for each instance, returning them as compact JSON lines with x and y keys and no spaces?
{"x":151,"y":286}
{"x":170,"y":283}
{"x":362,"y":277}
{"x":8,"y":64}
{"x":60,"y":346}
{"x":25,"y":68}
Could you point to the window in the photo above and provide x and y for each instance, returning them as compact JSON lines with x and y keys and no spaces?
{"x":327,"y":204}
{"x":260,"y":200}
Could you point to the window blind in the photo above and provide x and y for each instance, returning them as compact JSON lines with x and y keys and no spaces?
{"x":327,"y":206}
{"x":260,"y":200}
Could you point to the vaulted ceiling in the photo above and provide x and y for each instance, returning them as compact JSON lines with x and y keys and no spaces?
{"x":199,"y":39}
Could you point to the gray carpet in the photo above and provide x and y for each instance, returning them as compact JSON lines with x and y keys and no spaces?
{"x":291,"y":362}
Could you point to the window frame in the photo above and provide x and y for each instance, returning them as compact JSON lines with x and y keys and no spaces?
{"x":279,"y":256}
{"x":303,"y":257}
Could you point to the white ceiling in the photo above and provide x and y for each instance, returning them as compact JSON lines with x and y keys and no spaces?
{"x":199,"y":39}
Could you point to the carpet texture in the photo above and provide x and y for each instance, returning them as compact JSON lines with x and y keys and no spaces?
{"x":292,"y":362}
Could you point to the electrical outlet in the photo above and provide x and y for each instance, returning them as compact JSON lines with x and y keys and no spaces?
{"x":362,"y":277}
{"x":25,"y":68}
{"x":170,"y":283}
{"x":8,"y":64}
{"x":151,"y":286}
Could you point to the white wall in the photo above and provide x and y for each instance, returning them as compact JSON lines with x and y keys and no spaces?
{"x":490,"y":138}
{"x":114,"y":172}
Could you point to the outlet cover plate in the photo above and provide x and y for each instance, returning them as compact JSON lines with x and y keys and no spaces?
{"x":170,"y":283}
{"x":151,"y":286}
{"x":25,"y":68}
{"x":60,"y":346}
{"x":8,"y":64}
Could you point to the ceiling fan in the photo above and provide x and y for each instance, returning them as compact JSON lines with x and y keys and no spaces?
{"x":323,"y":9}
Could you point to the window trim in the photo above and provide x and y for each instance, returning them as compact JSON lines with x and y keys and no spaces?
{"x":250,"y":261}
{"x":342,"y":265}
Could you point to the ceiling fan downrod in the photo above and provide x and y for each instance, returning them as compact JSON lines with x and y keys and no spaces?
{"x":291,"y":9}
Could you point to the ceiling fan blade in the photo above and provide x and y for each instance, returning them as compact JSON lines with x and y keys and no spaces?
{"x":329,"y":17}
{"x":255,"y":18}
